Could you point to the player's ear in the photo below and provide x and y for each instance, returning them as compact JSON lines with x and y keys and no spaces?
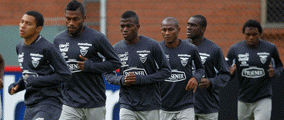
{"x":38,"y":29}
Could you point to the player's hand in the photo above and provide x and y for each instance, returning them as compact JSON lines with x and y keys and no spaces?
{"x":232,"y":69}
{"x":1,"y":83}
{"x":271,"y":71}
{"x":205,"y":83}
{"x":192,"y":84}
{"x":130,"y":79}
{"x":81,"y":63}
{"x":14,"y":89}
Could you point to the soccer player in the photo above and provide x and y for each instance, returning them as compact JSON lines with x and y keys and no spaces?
{"x":43,"y":70}
{"x":216,"y":70}
{"x":143,"y":65}
{"x":84,"y":95}
{"x":177,"y":91}
{"x":256,"y":63}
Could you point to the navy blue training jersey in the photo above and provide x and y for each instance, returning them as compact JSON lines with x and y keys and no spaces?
{"x":46,"y":70}
{"x":252,"y":69}
{"x":86,"y":89}
{"x":216,"y":70}
{"x":147,"y":61}
{"x":173,"y":93}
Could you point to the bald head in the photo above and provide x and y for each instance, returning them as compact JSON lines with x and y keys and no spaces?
{"x":171,"y":20}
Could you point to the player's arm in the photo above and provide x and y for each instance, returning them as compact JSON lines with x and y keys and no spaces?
{"x":2,"y":67}
{"x":278,"y":66}
{"x":61,"y":71}
{"x":196,"y":77}
{"x":223,"y":73}
{"x":230,"y":62}
{"x":111,"y":62}
{"x":163,"y":71}
{"x":16,"y":86}
{"x":113,"y":78}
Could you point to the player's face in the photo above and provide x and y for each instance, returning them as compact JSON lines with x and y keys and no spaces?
{"x":129,"y":28}
{"x":194,"y":30}
{"x":169,"y":31}
{"x":252,"y":36}
{"x":74,"y":22}
{"x":27,"y":27}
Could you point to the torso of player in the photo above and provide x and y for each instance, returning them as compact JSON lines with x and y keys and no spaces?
{"x":32,"y":59}
{"x":137,"y":58}
{"x":253,"y":62}
{"x":71,"y":49}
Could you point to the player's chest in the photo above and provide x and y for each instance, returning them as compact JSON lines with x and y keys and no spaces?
{"x":31,"y":59}
{"x":253,"y":58}
{"x":72,"y":49}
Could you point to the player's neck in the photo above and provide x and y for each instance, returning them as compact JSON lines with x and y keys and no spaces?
{"x":198,"y":41}
{"x":30,"y":40}
{"x":173,"y":44}
{"x":134,"y":40}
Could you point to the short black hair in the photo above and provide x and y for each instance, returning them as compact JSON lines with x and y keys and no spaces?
{"x":172,"y":19}
{"x":252,"y":23}
{"x":130,"y":14}
{"x":38,"y":17}
{"x":203,"y":21}
{"x":75,"y":5}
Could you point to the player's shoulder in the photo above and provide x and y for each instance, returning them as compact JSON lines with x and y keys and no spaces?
{"x":187,"y":44}
{"x":267,"y":44}
{"x":93,"y":32}
{"x":61,"y":35}
{"x":238,"y":45}
{"x":148,"y":39}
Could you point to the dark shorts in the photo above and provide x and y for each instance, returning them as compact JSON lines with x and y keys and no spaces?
{"x":42,"y":112}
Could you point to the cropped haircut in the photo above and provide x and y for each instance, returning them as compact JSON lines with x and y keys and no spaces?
{"x":203,"y":21}
{"x":172,"y":19}
{"x":38,"y":17}
{"x":252,"y":23}
{"x":130,"y":14}
{"x":75,"y":5}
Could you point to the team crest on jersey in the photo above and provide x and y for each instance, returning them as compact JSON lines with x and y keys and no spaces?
{"x":204,"y":57}
{"x":184,"y":59}
{"x":243,"y":59}
{"x":35,"y":58}
{"x":143,"y":55}
{"x":84,"y":48}
{"x":263,"y":56}
{"x":123,"y":58}
{"x":63,"y":49}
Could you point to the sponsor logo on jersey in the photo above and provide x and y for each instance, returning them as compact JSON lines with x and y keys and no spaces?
{"x":21,"y":59}
{"x":184,"y":59}
{"x":253,"y":72}
{"x":203,"y":57}
{"x":135,"y":70}
{"x":176,"y":76}
{"x":243,"y":59}
{"x":123,"y":58}
{"x":63,"y":49}
{"x":84,"y":48}
{"x":143,"y":55}
{"x":73,"y":65}
{"x":168,"y":57}
{"x":35,"y":59}
{"x":263,"y":56}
